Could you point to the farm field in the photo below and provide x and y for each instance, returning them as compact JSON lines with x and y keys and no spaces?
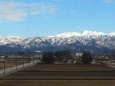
{"x":57,"y":83}
{"x":62,"y":75}
{"x":9,"y":64}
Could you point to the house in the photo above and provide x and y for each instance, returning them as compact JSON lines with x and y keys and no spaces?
{"x":77,"y":58}
{"x":38,"y":56}
{"x":102,"y":59}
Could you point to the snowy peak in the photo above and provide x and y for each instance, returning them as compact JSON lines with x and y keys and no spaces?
{"x":84,"y":33}
{"x":90,"y":33}
{"x":9,"y":39}
{"x":13,"y":38}
{"x":68,"y":34}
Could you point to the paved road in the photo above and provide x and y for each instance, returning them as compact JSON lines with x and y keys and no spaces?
{"x":10,"y":70}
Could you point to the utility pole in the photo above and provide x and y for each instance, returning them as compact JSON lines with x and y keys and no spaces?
{"x":33,"y":58}
{"x":16,"y":62}
{"x":4,"y":65}
{"x":29,"y":60}
{"x":23,"y":61}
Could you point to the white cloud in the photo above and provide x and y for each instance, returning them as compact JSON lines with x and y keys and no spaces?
{"x":15,"y":11}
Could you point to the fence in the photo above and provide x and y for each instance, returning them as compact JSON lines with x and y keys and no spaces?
{"x":8,"y":70}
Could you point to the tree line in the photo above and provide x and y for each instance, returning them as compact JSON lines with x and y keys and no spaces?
{"x":49,"y":57}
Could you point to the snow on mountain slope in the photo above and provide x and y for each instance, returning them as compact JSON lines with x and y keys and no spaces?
{"x":71,"y":40}
{"x":9,"y":39}
{"x":58,"y":39}
{"x":112,"y":34}
{"x":86,"y":33}
{"x":13,"y":39}
{"x":86,"y":38}
{"x":90,"y":33}
{"x":68,"y":34}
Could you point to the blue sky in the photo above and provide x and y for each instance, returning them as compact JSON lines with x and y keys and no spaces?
{"x":31,"y":18}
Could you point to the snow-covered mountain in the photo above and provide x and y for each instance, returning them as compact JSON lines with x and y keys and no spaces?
{"x":76,"y":42}
{"x":9,"y":39}
{"x":86,"y":33}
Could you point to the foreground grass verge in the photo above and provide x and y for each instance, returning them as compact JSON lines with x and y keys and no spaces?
{"x":57,"y":82}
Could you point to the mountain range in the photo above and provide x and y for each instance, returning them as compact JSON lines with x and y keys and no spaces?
{"x":92,"y":41}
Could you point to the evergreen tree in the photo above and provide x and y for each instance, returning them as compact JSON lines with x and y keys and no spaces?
{"x":65,"y":54}
{"x":86,"y":58}
{"x":48,"y":58}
